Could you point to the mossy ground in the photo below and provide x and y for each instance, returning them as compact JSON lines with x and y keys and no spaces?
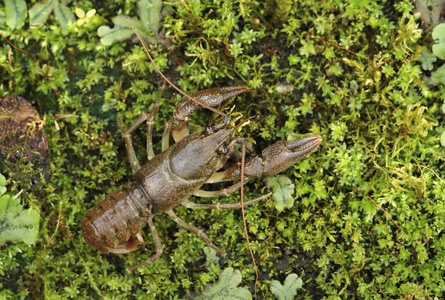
{"x":380,"y":123}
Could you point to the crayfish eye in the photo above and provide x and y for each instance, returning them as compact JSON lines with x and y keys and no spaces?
{"x":208,"y":131}
{"x":222,"y":150}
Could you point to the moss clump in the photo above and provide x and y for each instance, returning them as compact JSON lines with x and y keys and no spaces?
{"x":380,"y":123}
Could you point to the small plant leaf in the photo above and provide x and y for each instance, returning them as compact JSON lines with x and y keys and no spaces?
{"x":438,"y":35}
{"x":2,"y":17}
{"x":2,"y":184}
{"x":282,"y":191}
{"x":438,"y":76}
{"x":17,"y":224}
{"x":64,"y":15}
{"x":288,"y":290}
{"x":80,"y":13}
{"x":150,"y":13}
{"x":227,"y":287}
{"x":15,"y":13}
{"x":442,"y":139}
{"x":427,"y":59}
{"x":39,"y":13}
{"x":91,"y":13}
{"x":121,"y":31}
{"x":211,"y":257}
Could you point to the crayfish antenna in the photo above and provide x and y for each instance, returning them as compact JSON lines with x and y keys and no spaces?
{"x":168,"y":81}
{"x":243,"y":160}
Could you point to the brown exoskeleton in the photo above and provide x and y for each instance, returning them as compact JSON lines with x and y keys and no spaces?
{"x":170,"y":178}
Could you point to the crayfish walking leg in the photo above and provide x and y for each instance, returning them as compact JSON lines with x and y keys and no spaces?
{"x":135,"y":164}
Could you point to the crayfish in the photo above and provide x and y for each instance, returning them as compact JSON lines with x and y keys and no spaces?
{"x":168,"y":179}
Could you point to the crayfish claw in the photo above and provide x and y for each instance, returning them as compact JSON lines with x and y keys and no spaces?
{"x":210,"y":97}
{"x":281,"y":155}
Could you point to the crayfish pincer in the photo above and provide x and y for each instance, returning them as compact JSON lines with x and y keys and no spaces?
{"x":178,"y":172}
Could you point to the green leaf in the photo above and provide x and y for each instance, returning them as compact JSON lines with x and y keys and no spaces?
{"x":427,"y":59}
{"x":2,"y":184}
{"x":211,"y":257}
{"x":64,"y":15}
{"x":121,"y":31}
{"x":109,"y":36}
{"x":17,"y":224}
{"x":439,"y":37}
{"x":39,"y":13}
{"x":226,"y":288}
{"x":438,"y":76}
{"x":288,"y":290}
{"x":307,"y":48}
{"x":15,"y":13}
{"x":150,"y":13}
{"x":2,"y":17}
{"x":283,"y":190}
{"x":442,"y":139}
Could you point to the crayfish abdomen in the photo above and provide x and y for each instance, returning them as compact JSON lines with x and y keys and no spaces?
{"x":113,"y":223}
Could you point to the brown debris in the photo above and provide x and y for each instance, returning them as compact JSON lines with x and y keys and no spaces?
{"x":22,"y":139}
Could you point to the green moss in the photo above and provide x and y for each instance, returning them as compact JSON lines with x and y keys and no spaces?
{"x":380,"y":122}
